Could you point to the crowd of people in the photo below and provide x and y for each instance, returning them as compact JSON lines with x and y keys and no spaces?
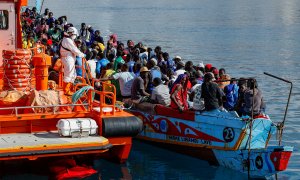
{"x":137,"y":71}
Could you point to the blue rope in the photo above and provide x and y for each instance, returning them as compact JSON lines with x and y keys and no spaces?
{"x":80,"y":93}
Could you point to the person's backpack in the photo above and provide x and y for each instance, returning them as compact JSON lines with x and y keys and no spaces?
{"x":231,"y":93}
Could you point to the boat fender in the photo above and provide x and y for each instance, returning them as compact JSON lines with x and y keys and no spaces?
{"x":121,"y":126}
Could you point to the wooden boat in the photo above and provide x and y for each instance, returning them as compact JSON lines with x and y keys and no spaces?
{"x":29,"y":130}
{"x":219,"y":137}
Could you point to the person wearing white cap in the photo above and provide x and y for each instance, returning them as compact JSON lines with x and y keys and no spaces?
{"x":179,"y":69}
{"x":68,"y":52}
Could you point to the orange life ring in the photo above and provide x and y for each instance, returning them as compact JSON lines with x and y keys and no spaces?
{"x":16,"y":85}
{"x":23,"y":57}
{"x":9,"y":66}
{"x":16,"y":71}
{"x":17,"y":52}
{"x":15,"y":76}
{"x":17,"y":89}
{"x":18,"y":80}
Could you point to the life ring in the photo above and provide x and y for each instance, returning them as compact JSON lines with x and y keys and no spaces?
{"x":18,"y":80}
{"x":16,"y":62}
{"x":16,"y":71}
{"x":15,"y":76}
{"x":9,"y":58}
{"x":8,"y":66}
{"x":16,"y":89}
{"x":17,"y":52}
{"x":16,"y":85}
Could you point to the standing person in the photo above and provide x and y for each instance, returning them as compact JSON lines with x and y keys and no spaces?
{"x":257,"y":103}
{"x":160,"y":93}
{"x":68,"y":52}
{"x":179,"y":93}
{"x":211,"y":93}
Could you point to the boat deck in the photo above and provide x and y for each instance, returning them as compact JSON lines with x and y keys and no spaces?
{"x":48,"y":144}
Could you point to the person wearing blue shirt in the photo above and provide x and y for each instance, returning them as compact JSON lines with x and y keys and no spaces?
{"x":101,"y":63}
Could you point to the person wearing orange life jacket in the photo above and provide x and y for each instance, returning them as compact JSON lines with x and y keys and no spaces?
{"x":69,"y":51}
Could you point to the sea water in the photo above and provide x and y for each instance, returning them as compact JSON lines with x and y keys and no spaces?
{"x":246,"y":38}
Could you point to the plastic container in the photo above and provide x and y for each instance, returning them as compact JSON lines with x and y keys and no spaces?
{"x":77,"y":127}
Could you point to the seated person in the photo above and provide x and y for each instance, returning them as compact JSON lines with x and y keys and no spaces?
{"x":160,"y":93}
{"x":179,"y":93}
{"x":211,"y":93}
{"x":195,"y":96}
{"x":138,"y":90}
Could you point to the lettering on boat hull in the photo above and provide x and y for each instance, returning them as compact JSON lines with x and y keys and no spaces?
{"x":189,"y":140}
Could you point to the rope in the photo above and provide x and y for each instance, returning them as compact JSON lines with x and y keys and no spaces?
{"x":81,"y":93}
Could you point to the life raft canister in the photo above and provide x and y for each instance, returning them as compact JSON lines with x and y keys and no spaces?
{"x":17,"y":70}
{"x":121,"y":126}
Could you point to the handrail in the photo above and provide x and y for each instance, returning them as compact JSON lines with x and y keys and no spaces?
{"x":44,"y":106}
{"x":281,"y":125}
{"x":103,"y":95}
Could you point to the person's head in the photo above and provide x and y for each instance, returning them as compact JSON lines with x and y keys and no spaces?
{"x":208,"y":67}
{"x":43,"y":21}
{"x":177,"y":59}
{"x":111,"y":57}
{"x":208,"y":77}
{"x":110,"y":65}
{"x":100,"y":55}
{"x":72,"y":32}
{"x":222,"y":72}
{"x":97,"y":33}
{"x":188,"y":65}
{"x":34,"y":9}
{"x":180,"y":65}
{"x":198,"y":74}
{"x":83,"y":25}
{"x":156,"y":81}
{"x":166,"y":56}
{"x":130,"y":44}
{"x":50,"y":14}
{"x":215,"y":71}
{"x":52,"y":24}
{"x":182,"y":79}
{"x":252,"y":83}
{"x":124,"y":67}
{"x":137,"y":67}
{"x":157,"y":49}
{"x":152,"y":63}
{"x":46,"y":11}
{"x":144,"y":72}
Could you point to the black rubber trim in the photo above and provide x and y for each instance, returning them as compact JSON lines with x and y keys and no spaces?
{"x":55,"y":151}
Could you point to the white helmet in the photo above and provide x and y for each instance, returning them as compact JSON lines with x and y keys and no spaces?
{"x":72,"y":30}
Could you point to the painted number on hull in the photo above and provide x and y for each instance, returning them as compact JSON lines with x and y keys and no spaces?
{"x":228,"y":134}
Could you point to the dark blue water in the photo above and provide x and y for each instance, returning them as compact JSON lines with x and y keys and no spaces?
{"x":246,"y":38}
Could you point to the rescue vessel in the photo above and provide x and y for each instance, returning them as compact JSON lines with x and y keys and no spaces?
{"x":37,"y":120}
